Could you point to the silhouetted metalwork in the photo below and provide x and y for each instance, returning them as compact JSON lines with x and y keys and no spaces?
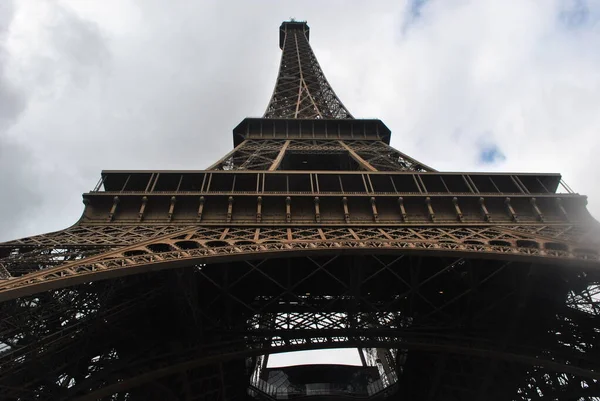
{"x":312,"y":233}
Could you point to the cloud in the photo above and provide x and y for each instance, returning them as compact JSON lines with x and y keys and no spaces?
{"x":513,"y":69}
{"x":17,"y":181}
{"x":133,"y":84}
{"x":21,"y":197}
{"x":11,"y":100}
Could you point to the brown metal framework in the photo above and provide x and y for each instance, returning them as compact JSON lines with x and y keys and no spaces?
{"x":301,"y":90}
{"x":312,"y":233}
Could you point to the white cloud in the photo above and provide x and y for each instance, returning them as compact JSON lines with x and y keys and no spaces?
{"x":142,"y":84}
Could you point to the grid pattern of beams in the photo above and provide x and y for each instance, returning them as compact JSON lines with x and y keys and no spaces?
{"x":266,"y":154}
{"x":212,"y":245}
{"x":429,"y":307}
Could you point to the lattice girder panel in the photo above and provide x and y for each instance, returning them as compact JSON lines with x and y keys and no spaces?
{"x":467,"y":321}
{"x":572,"y":233}
{"x":210,"y":245}
{"x":319,"y":145}
{"x":50,"y":334}
{"x":385,"y":158}
{"x":250,"y":155}
{"x":301,"y":90}
{"x":24,"y":260}
{"x":100,"y":235}
{"x":255,"y":154}
{"x":79,"y":242}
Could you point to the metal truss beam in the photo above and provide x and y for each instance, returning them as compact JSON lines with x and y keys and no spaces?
{"x":302,"y":91}
{"x":192,"y":245}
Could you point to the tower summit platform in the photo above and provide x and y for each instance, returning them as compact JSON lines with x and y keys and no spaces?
{"x":293,"y":25}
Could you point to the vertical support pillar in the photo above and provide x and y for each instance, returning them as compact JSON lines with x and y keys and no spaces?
{"x":200,"y":209}
{"x":430,"y":209}
{"x":374,"y":209}
{"x":142,"y":208}
{"x":259,"y":209}
{"x":317,"y":210}
{"x":511,"y":211}
{"x":402,"y":209}
{"x":113,"y":209}
{"x":484,"y":210}
{"x":288,"y":209}
{"x":346,"y":211}
{"x":459,"y":214}
{"x":536,"y":209}
{"x":229,"y":209}
{"x":171,"y":208}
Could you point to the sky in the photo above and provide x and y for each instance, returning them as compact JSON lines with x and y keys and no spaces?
{"x":464,"y":85}
{"x":477,"y":85}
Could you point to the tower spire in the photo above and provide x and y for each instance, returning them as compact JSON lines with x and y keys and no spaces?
{"x":302,"y":91}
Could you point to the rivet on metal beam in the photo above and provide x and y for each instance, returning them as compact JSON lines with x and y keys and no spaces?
{"x":288,"y":209}
{"x":171,"y":208}
{"x":259,"y":209}
{"x":484,"y":210}
{"x":374,"y":208}
{"x":511,"y":210}
{"x":559,"y":203}
{"x":430,"y":209}
{"x":402,"y":209}
{"x":317,"y":210}
{"x":113,"y":209}
{"x":142,"y":208}
{"x":459,"y":214}
{"x":229,"y":209}
{"x":537,"y":210}
{"x":200,"y":209}
{"x":346,"y":211}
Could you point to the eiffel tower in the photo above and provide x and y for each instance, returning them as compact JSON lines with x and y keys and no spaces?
{"x":312,"y":233}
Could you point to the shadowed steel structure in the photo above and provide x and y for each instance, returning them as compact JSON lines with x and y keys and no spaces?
{"x":312,"y":233}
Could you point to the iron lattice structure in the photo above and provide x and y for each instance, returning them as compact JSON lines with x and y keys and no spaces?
{"x":312,"y":233}
{"x":302,"y":91}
